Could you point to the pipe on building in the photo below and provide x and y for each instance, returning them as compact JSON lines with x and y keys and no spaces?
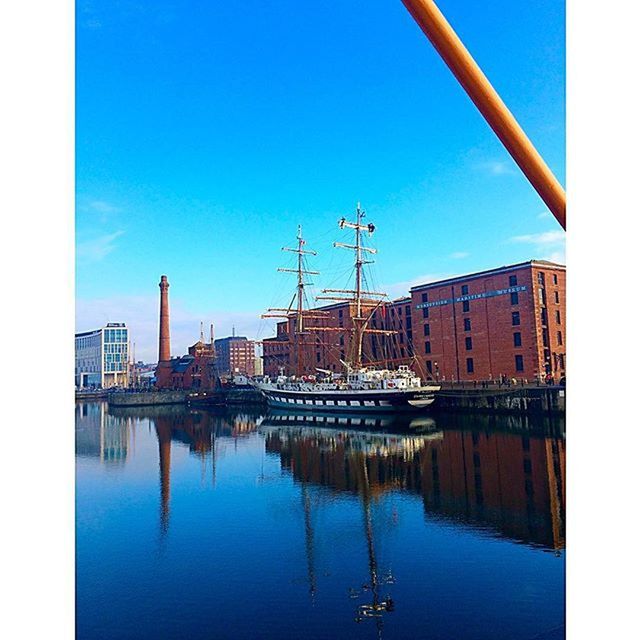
{"x":484,"y":96}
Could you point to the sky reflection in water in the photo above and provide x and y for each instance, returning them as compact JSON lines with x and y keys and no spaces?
{"x":202,"y":524}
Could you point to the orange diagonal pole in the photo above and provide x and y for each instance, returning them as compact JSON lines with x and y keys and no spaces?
{"x":491,"y":106}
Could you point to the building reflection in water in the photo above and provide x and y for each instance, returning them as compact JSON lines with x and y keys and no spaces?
{"x":508,"y":484}
{"x":199,"y":430}
{"x":101,"y":435}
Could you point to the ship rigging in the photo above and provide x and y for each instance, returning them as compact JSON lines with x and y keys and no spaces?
{"x":362,"y":387}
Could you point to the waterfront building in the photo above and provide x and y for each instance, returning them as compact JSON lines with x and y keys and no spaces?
{"x":507,"y":322}
{"x":504,"y":322}
{"x":236,"y":355}
{"x":196,"y":369}
{"x":102,"y":356}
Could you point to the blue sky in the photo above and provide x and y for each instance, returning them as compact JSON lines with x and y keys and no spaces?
{"x":207,"y":130}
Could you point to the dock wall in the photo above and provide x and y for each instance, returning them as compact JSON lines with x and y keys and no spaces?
{"x":146,"y":398}
{"x":525,"y":400}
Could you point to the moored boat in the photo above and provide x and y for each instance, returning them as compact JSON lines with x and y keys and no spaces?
{"x":361,"y":387}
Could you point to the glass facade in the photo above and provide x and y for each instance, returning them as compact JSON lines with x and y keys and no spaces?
{"x":100,"y":353}
{"x":115,"y":352}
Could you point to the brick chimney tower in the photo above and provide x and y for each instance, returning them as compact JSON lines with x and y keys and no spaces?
{"x":164,"y":351}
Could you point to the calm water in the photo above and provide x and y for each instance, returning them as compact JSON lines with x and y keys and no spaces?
{"x":203,"y":524}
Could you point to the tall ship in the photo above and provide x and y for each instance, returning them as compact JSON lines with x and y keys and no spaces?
{"x":358,"y":387}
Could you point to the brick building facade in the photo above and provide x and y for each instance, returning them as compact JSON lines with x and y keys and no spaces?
{"x":508,"y":321}
{"x":236,"y":354}
{"x":196,"y":370}
{"x":327,"y":339}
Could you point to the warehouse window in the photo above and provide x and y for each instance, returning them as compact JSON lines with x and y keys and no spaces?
{"x":515,"y":318}
{"x":425,"y":297}
{"x":468,"y":344}
{"x":558,"y":316}
{"x":557,"y":296}
{"x":513,"y":281}
{"x":519,"y":363}
{"x":427,"y":347}
{"x":429,"y":366}
{"x":425,"y":312}
{"x":555,"y":278}
{"x":469,"y":365}
{"x":559,"y":337}
{"x":540,"y":277}
{"x":465,"y":289}
{"x":517,"y":339}
{"x":467,"y":324}
{"x":427,"y":330}
{"x":465,"y":306}
{"x":514,"y":298}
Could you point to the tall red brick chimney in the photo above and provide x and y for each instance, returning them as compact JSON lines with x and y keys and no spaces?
{"x":164,"y":351}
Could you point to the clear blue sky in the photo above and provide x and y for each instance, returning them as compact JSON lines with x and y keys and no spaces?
{"x":207,"y":130}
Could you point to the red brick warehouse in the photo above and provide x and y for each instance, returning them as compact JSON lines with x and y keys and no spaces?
{"x":508,"y":321}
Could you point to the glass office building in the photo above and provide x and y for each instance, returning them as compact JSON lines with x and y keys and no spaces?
{"x":102,"y":356}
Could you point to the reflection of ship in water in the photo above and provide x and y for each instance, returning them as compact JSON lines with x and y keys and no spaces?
{"x":100,"y":435}
{"x":507,"y":485}
{"x":355,"y":440}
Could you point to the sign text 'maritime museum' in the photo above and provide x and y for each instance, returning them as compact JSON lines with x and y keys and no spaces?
{"x":472,"y":296}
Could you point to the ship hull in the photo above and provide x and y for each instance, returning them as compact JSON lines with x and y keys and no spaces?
{"x":375,"y":401}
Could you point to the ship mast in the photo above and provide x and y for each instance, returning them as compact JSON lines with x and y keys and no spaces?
{"x":299,"y":312}
{"x":358,"y":297}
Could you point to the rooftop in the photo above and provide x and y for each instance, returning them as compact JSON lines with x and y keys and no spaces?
{"x":482,"y":274}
